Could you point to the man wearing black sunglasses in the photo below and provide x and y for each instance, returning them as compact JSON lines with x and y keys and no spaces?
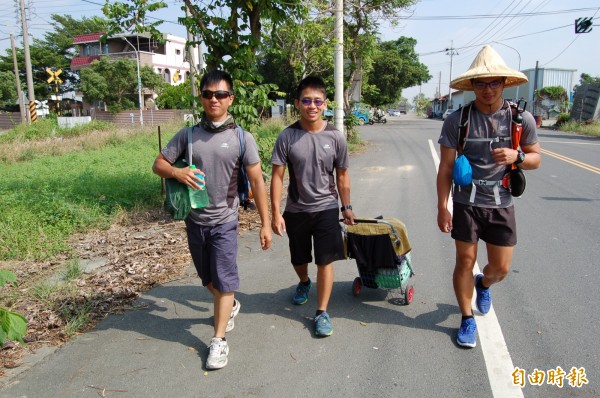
{"x":483,"y":206}
{"x":212,"y":231}
{"x":317,"y":157}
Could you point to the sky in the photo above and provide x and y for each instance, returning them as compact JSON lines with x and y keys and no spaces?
{"x":523,"y":32}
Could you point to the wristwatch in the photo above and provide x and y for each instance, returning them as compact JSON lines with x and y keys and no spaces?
{"x":520,"y":157}
{"x":346,"y":207}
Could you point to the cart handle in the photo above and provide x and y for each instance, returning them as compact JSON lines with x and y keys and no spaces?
{"x":365,"y":221}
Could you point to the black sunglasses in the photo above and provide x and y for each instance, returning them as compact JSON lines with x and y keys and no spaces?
{"x":220,"y":94}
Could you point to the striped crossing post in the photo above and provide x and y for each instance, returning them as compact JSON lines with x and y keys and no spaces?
{"x":32,"y":111}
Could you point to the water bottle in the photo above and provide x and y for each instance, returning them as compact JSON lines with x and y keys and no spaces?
{"x":198,"y":197}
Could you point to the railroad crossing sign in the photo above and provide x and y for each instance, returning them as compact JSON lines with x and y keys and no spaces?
{"x":54,"y":75}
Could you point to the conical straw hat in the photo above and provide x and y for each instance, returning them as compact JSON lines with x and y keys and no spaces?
{"x":488,"y":63}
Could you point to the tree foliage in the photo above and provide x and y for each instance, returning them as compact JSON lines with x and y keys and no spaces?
{"x":115,"y":83}
{"x":421,"y":103}
{"x":8,"y":89}
{"x":296,"y":49}
{"x":13,"y":326}
{"x":395,"y":66}
{"x":362,"y":19}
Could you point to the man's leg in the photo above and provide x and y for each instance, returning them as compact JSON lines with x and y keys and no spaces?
{"x":498,"y":266}
{"x":324,"y":285}
{"x":302,"y":272}
{"x":223,"y":307}
{"x":462,"y":279}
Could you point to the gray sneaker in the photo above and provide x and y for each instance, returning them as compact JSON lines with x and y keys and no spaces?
{"x":217,"y":357}
{"x":234,"y":312}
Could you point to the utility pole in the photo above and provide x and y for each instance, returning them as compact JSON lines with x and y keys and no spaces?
{"x":339,"y":66}
{"x":18,"y":80}
{"x":192,"y":60}
{"x":452,"y":53}
{"x":535,"y":81}
{"x":30,"y":92}
{"x":139,"y":79}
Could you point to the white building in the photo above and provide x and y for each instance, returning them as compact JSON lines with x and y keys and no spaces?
{"x":167,"y":59}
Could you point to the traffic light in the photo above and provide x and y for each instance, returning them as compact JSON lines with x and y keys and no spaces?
{"x":583,"y":25}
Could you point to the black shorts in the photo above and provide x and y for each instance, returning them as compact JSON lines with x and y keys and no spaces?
{"x":325,"y":230}
{"x":494,"y":226}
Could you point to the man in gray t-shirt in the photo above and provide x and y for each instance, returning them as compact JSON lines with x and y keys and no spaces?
{"x":316,"y":155}
{"x":483,"y":207}
{"x":212,"y":230}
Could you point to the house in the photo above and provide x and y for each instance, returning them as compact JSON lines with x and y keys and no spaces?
{"x":167,"y":59}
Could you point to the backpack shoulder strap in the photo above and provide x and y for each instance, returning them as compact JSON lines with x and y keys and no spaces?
{"x":463,"y":127}
{"x":189,"y":145}
{"x":240,"y":131}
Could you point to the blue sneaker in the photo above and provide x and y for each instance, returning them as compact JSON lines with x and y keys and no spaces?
{"x":484,"y":298}
{"x":323,"y":326}
{"x":301,"y":295}
{"x":466,"y":336}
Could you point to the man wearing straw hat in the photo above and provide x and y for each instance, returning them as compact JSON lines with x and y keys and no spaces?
{"x":484,"y":208}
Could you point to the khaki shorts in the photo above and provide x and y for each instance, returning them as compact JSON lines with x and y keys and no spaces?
{"x":494,"y":226}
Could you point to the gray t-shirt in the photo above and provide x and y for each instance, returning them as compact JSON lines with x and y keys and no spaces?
{"x":312,"y":159}
{"x":479,"y":153}
{"x":217,"y":155}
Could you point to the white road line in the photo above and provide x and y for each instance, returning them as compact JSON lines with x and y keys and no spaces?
{"x":497,"y":359}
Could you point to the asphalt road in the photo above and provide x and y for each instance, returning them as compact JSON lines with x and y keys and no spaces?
{"x":546,"y":308}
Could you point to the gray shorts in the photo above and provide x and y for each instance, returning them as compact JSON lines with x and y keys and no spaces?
{"x":324,"y":229}
{"x":494,"y":226}
{"x":214,"y":252}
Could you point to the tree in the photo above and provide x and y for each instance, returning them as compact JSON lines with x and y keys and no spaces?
{"x":362,"y":19}
{"x":298,"y":48}
{"x":8,"y":89}
{"x":176,"y":97}
{"x":421,"y":104}
{"x":115,"y":83}
{"x":55,"y":50}
{"x":395,"y":66}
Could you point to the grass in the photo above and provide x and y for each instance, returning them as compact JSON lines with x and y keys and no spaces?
{"x":584,"y":128}
{"x":72,"y":270}
{"x":45,"y":197}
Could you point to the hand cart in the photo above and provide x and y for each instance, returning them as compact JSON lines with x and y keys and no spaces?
{"x":382,"y":252}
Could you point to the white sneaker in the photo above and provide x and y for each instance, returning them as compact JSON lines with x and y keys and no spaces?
{"x":234,"y":312}
{"x":217,"y":357}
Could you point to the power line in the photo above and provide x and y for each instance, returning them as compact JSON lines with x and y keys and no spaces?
{"x":487,"y":16}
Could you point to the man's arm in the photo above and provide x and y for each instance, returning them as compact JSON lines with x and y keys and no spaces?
{"x":443,"y":185}
{"x":342,"y":178}
{"x":259,"y":191}
{"x":163,"y":168}
{"x":277,"y":223}
{"x":508,"y":156}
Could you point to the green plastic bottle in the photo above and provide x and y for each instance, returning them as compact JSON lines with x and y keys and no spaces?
{"x":198,"y":197}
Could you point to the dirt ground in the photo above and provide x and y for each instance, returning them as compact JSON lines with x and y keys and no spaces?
{"x":120,"y":263}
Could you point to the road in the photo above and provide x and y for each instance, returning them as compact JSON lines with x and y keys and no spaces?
{"x":546,"y":309}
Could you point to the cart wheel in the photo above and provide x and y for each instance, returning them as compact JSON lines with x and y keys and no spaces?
{"x":409,"y":293}
{"x":356,"y":286}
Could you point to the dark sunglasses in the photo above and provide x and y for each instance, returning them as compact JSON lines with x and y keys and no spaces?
{"x":308,"y":101}
{"x":482,"y":85}
{"x":220,"y":94}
